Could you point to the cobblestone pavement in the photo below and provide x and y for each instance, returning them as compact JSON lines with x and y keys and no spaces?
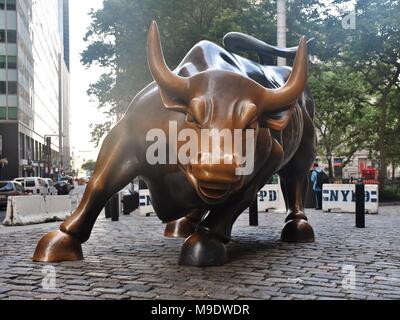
{"x":131,"y":259}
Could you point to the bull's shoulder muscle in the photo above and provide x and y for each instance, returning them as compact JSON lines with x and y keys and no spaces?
{"x":207,"y":55}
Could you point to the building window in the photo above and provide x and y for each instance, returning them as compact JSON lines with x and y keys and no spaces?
{"x":12,"y":113}
{"x":12,"y":87}
{"x":9,"y":62}
{"x":12,"y":62}
{"x":3,"y":87}
{"x":11,"y":36}
{"x":10,"y":4}
{"x":3,"y":113}
{"x":3,"y":61}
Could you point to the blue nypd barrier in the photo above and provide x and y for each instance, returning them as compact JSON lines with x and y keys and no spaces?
{"x":342,"y":198}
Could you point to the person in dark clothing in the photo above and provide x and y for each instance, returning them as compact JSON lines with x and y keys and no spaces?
{"x":318,"y":178}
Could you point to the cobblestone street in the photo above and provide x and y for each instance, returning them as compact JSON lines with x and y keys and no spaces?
{"x":130,"y":259}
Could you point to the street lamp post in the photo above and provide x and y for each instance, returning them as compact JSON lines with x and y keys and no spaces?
{"x":48,"y":143}
{"x":330,"y":166}
{"x":282,"y":29}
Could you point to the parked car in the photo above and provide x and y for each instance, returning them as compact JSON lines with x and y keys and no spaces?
{"x":50,"y":187}
{"x":69,"y":179}
{"x":34,"y":185}
{"x":63,"y":187}
{"x":10,"y":188}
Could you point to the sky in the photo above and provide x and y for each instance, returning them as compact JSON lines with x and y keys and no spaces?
{"x":83,"y":111}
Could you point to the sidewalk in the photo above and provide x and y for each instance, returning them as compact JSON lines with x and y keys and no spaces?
{"x":130,"y":259}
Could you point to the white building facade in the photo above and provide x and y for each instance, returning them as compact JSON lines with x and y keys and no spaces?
{"x":34,"y":95}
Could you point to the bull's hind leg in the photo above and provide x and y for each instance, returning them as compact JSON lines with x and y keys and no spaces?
{"x":294,"y":182}
{"x":115,"y":168}
{"x":185,"y":226}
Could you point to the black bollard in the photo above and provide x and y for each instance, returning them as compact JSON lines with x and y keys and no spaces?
{"x":360,"y":204}
{"x":254,"y":213}
{"x":114,"y":202}
{"x":107,"y":210}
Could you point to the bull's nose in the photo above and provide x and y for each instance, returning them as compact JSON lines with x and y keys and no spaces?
{"x":209,"y":158}
{"x":222,"y":170}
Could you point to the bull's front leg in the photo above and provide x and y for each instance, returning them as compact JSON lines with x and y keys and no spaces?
{"x":185,"y":226}
{"x":115,"y":168}
{"x":207,"y":246}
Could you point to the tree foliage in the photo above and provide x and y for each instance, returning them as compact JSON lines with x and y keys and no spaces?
{"x":89,"y":165}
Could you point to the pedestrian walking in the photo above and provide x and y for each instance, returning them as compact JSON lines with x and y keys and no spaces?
{"x":318,"y":179}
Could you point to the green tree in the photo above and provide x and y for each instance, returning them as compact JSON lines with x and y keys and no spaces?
{"x":373,"y":50}
{"x":89,"y":166}
{"x":344,"y":114}
{"x":392,"y":142}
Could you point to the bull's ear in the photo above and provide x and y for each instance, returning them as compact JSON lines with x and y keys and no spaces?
{"x":278,"y":121}
{"x":173,"y":103}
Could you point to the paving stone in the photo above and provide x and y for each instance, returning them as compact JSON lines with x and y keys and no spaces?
{"x":141,"y":295}
{"x":4,"y":290}
{"x":109,"y":296}
{"x":138,"y":287}
{"x":97,"y":275}
{"x":303,"y":297}
{"x":293,"y":291}
{"x":196,"y":294}
{"x":83,"y":293}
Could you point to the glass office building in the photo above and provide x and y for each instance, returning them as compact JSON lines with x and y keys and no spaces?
{"x":34,"y":88}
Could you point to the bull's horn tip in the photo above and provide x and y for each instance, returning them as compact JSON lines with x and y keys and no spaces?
{"x":153,"y":25}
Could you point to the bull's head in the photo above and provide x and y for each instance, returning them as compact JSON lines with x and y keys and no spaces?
{"x":223,"y":100}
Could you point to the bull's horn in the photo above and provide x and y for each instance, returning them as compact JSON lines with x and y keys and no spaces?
{"x":172,"y":84}
{"x":276,"y":99}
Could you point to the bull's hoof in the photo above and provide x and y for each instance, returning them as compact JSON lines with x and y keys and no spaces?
{"x":203,"y":250}
{"x":58,"y":246}
{"x":298,"y":231}
{"x":182,"y":228}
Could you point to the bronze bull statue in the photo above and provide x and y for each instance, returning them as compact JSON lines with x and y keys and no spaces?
{"x":200,"y":200}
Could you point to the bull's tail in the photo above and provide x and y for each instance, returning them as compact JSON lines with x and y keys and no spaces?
{"x":240,"y":42}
